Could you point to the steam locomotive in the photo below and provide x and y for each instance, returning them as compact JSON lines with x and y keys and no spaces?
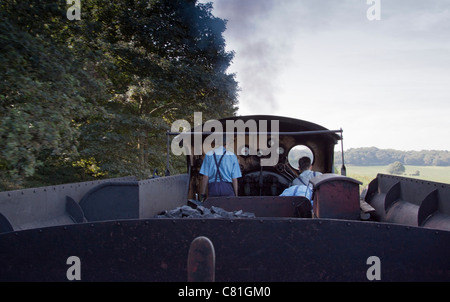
{"x":115,"y":229}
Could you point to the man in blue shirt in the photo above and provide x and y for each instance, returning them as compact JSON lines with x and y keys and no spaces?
{"x":220,"y":170}
{"x":298,"y":190}
{"x":306,"y":173}
{"x":300,"y":185}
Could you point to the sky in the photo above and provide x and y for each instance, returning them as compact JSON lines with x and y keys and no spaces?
{"x":385,"y":82}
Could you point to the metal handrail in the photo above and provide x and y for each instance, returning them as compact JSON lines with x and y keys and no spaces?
{"x":259,"y":133}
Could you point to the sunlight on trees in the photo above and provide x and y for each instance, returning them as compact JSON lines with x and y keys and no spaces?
{"x":104,"y":89}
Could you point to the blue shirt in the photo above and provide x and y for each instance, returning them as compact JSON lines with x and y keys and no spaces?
{"x":229,"y":167}
{"x":304,"y":178}
{"x":298,"y":190}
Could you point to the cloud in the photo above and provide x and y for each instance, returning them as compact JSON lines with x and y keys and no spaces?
{"x":253,"y":35}
{"x":264,"y":35}
{"x":323,"y":61}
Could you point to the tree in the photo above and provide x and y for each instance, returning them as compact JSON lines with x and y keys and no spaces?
{"x":172,"y":61}
{"x":44,"y":92}
{"x":381,"y":157}
{"x":94,"y":97}
{"x":396,"y":168}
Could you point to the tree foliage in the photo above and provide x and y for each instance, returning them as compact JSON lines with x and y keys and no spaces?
{"x":94,"y":97}
{"x":43,"y":94}
{"x":379,"y":157}
{"x":396,"y":168}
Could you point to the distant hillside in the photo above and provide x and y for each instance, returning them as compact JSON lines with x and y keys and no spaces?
{"x":372,"y":156}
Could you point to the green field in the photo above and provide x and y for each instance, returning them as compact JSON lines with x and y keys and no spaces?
{"x":366,"y":173}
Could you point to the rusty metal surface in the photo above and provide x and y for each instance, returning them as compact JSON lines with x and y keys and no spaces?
{"x":332,"y":177}
{"x":264,"y":206}
{"x":410,"y":201}
{"x":201,"y":261}
{"x":246,"y":250}
{"x":336,"y":196}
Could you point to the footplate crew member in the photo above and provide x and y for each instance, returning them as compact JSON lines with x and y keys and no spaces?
{"x":220,"y":170}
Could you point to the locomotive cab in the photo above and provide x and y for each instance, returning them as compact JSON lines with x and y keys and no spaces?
{"x":257,"y":142}
{"x":268,"y":149}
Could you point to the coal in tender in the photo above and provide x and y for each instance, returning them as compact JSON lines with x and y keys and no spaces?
{"x":202,"y":212}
